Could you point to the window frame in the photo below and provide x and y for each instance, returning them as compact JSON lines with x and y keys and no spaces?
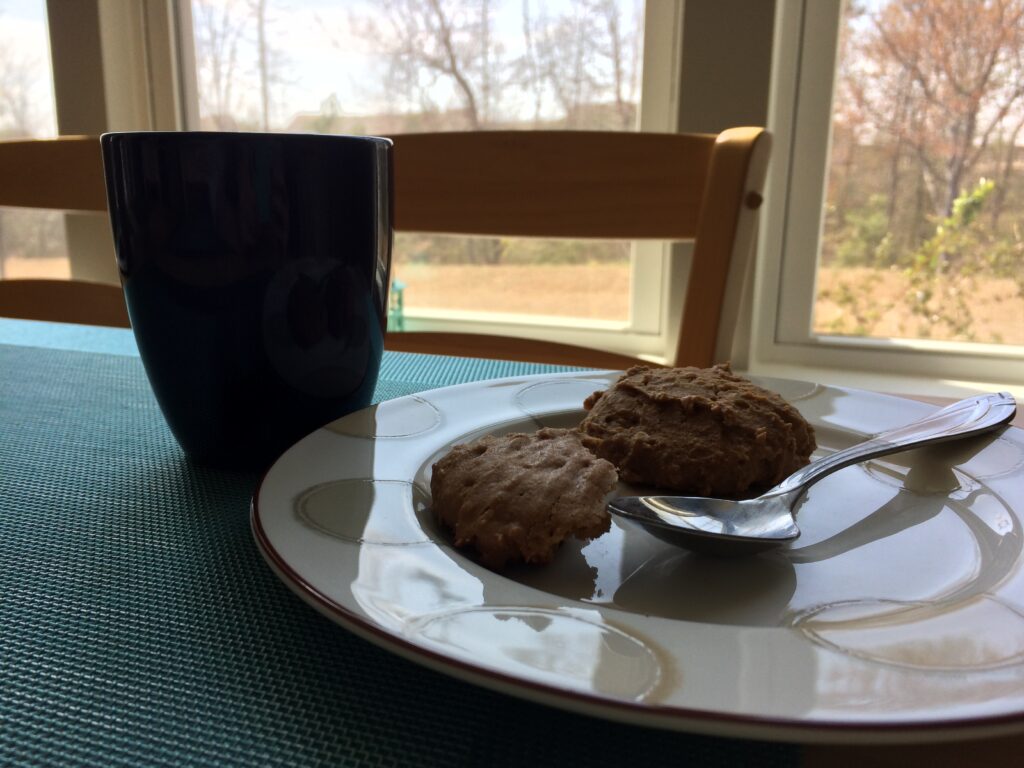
{"x":800,"y":116}
{"x":144,"y":56}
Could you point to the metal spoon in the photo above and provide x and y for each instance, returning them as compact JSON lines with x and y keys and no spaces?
{"x":724,"y":527}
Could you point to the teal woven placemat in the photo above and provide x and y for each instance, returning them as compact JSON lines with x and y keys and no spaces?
{"x":140,"y":626}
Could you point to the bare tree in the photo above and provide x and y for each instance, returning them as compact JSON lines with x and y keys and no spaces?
{"x":271,"y":61}
{"x":566,"y":56}
{"x":529,"y":65}
{"x":25,"y":234}
{"x":622,"y":50}
{"x":848,"y":117}
{"x":930,"y":98}
{"x":20,"y":72}
{"x":587,"y":56}
{"x":16,"y":104}
{"x":958,"y":68}
{"x":218,"y":31}
{"x":239,"y":66}
{"x":1005,"y":169}
{"x":574,"y":66}
{"x":578,"y":68}
{"x":259,"y":8}
{"x":434,"y":43}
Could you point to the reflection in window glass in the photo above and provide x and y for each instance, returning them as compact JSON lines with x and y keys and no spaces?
{"x":394,"y":66}
{"x":32,"y":242}
{"x":923,"y":236}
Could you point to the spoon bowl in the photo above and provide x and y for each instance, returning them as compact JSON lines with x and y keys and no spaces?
{"x":729,"y":528}
{"x":713,"y":526}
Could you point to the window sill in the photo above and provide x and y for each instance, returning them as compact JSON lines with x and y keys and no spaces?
{"x":897,"y":384}
{"x":609,"y":336}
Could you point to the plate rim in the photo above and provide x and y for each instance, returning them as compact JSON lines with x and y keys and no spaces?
{"x":668,"y":717}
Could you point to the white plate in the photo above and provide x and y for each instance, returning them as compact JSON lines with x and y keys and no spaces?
{"x":897,"y":616}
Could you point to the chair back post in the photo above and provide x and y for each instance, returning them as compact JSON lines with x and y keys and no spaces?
{"x":723,"y":246}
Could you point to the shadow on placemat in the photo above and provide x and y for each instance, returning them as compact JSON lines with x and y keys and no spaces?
{"x":141,"y":626}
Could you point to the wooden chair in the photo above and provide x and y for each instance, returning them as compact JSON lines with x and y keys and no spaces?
{"x":58,"y":174}
{"x":570,"y":184}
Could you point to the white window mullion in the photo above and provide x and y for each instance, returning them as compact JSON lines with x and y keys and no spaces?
{"x":811,"y":118}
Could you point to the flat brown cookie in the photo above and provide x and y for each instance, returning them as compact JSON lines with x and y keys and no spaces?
{"x":696,"y":431}
{"x":516,"y":497}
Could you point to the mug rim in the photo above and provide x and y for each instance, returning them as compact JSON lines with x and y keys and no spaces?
{"x":285,"y":135}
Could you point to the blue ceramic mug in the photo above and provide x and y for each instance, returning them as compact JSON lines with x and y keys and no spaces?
{"x":255,"y":268}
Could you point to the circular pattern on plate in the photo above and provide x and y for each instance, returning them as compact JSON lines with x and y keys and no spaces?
{"x":402,"y":417}
{"x":954,"y":555}
{"x":978,"y":635}
{"x":548,"y":645}
{"x":789,"y":389}
{"x":543,"y":400}
{"x":948,"y":467}
{"x":365,"y":511}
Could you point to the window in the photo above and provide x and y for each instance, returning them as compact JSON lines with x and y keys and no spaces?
{"x":31,"y":242}
{"x":920,"y":236}
{"x":412,"y":65}
{"x":891,"y":241}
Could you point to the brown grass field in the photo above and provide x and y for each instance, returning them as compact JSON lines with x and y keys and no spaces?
{"x":590,"y":291}
{"x":859,"y":300}
{"x":851,"y":301}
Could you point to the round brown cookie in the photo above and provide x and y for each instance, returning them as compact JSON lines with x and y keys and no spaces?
{"x":698,"y":431}
{"x":516,"y":497}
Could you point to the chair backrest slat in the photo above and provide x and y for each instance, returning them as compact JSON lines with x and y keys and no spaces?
{"x":62,"y":174}
{"x":583,"y":184}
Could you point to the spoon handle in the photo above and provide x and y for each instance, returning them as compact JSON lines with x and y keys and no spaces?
{"x":971,"y":416}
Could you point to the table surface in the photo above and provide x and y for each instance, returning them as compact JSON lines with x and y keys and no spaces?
{"x":139,"y":624}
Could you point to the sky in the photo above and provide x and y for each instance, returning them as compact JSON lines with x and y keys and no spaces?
{"x":312,"y":33}
{"x":322,"y":58}
{"x":24,"y":40}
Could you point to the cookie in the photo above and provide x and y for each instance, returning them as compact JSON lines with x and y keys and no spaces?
{"x":696,"y":431}
{"x":517,"y":497}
